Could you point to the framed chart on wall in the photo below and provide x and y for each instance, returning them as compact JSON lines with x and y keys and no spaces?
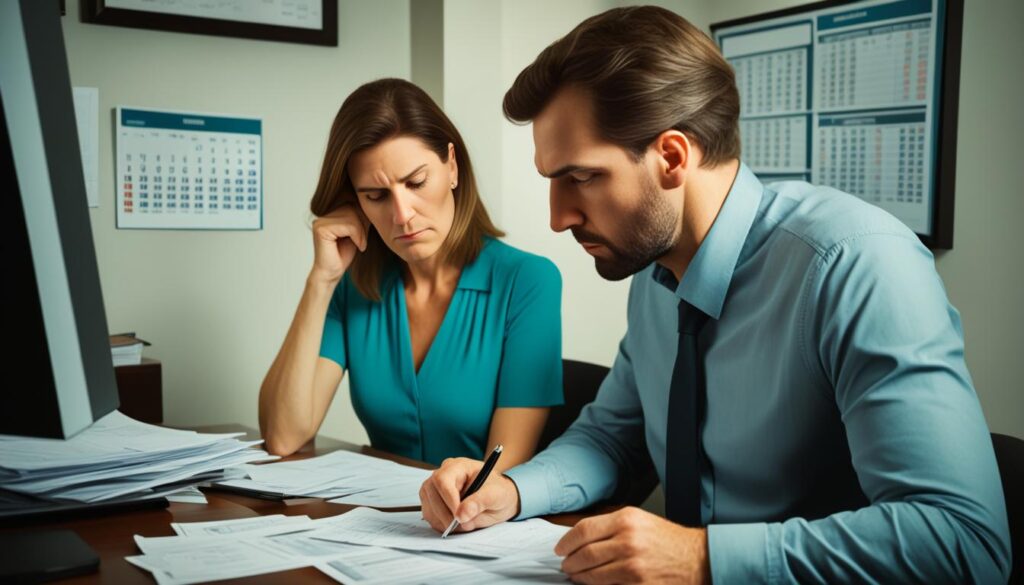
{"x":296,"y":21}
{"x":860,"y":95}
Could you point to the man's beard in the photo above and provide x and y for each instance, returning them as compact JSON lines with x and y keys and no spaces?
{"x":647,"y":233}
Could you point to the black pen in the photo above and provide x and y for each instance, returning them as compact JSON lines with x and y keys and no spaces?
{"x":477,"y":482}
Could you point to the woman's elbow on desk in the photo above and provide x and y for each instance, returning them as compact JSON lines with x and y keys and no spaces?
{"x":281,"y":437}
{"x":283,"y":445}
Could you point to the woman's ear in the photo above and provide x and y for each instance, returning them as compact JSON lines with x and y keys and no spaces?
{"x":453,"y":167}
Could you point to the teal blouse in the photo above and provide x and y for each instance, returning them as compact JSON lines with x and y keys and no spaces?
{"x":499,"y":345}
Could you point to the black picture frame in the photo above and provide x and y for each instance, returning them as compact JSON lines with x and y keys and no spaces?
{"x":96,"y":12}
{"x":941,"y":236}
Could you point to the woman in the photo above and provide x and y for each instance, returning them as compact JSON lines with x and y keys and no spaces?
{"x":452,"y":338}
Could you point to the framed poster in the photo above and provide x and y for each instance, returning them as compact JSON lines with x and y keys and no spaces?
{"x":859,"y":95}
{"x":313,"y":22}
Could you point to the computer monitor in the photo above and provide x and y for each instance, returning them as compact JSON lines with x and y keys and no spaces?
{"x":54,"y":311}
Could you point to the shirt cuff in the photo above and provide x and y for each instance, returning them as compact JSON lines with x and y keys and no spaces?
{"x":531,"y":481}
{"x":739,"y":553}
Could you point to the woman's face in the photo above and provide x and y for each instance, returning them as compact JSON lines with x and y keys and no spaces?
{"x":405,"y":190}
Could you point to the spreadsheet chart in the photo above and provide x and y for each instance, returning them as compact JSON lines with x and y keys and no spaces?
{"x":879,"y":157}
{"x":773,"y":82}
{"x":876,"y":67}
{"x":844,"y":96}
{"x":775,"y":144}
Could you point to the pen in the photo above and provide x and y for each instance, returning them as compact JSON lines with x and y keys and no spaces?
{"x":477,"y":482}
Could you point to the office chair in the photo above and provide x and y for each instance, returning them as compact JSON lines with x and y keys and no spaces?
{"x":580,"y":382}
{"x":1010,"y":457}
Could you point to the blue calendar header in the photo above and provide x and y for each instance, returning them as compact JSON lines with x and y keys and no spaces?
{"x":872,"y":118}
{"x":874,"y":13}
{"x":194,"y":122}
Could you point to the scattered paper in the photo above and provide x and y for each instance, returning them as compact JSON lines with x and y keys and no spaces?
{"x":532,"y":538}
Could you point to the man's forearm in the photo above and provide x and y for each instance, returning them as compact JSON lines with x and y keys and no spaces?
{"x":892,"y":542}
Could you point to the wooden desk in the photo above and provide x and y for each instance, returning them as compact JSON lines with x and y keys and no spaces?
{"x":111,"y":536}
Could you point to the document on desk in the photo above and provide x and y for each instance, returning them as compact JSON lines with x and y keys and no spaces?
{"x":403,"y":494}
{"x":215,"y":559}
{"x":352,"y":478}
{"x":532,"y":539}
{"x":189,"y":495}
{"x":236,"y":526}
{"x":370,"y":565}
{"x":115,"y":438}
{"x":117,"y":457}
{"x":226,"y":549}
{"x":39,"y":483}
{"x":226,"y":558}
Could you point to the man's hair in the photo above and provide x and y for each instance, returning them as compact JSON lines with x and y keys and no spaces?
{"x":646,"y":70}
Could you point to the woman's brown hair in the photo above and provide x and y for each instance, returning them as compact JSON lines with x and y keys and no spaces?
{"x":378,"y":111}
{"x":647,"y":70}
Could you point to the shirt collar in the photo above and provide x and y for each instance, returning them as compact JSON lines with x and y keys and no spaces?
{"x":477,"y":274}
{"x":706,"y":280}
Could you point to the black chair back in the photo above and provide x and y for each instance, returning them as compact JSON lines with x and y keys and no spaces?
{"x":1010,"y":457}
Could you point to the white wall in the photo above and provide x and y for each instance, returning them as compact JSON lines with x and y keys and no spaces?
{"x":984,"y":273}
{"x":216,"y":305}
{"x":472,"y":89}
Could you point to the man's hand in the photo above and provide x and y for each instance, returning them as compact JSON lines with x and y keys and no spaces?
{"x":633,"y":546}
{"x":440,"y":495}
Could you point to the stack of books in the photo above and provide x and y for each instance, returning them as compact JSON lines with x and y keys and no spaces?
{"x":126,"y":349}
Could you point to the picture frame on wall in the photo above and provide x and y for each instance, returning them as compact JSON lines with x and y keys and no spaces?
{"x":860,"y":95}
{"x":313,"y":22}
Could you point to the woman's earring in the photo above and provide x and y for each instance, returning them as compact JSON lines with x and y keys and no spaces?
{"x":453,"y":185}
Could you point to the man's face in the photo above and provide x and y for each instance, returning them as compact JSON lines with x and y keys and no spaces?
{"x":609,"y":200}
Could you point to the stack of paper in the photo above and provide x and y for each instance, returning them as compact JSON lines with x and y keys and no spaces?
{"x":347,"y":477}
{"x":126,"y":349}
{"x":363,"y":546}
{"x":117,"y":458}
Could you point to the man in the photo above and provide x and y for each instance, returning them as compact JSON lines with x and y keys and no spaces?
{"x":791,"y":357}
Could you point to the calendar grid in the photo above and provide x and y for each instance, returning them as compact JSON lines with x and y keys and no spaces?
{"x":181,"y":170}
{"x":867,"y":126}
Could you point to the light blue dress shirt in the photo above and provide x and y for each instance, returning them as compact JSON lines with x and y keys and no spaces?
{"x":499,"y":345}
{"x":844,"y":441}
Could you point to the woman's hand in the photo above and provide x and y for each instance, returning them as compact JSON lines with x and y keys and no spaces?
{"x":336,"y":238}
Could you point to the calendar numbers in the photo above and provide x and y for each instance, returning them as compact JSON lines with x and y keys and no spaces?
{"x":188,"y":171}
{"x":844,"y":96}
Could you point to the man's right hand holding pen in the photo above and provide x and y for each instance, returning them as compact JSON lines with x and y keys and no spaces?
{"x":440,"y":495}
{"x":625,"y":546}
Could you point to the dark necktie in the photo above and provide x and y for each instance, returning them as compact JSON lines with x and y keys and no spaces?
{"x":685,"y":413}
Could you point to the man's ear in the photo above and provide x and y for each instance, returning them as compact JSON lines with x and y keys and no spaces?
{"x":453,"y":166}
{"x":673,"y":157}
